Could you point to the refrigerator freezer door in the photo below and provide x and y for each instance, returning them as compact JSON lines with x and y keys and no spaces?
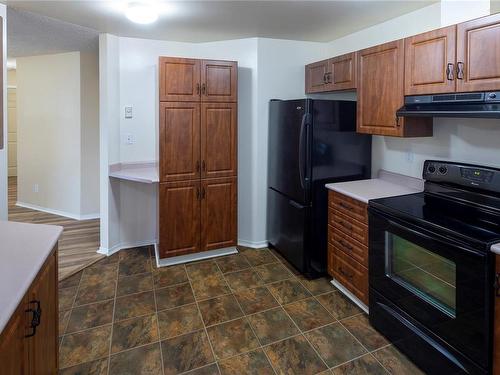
{"x":289,"y":148}
{"x":288,"y":228}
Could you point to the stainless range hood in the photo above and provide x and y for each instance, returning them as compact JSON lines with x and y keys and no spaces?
{"x":474,"y":104}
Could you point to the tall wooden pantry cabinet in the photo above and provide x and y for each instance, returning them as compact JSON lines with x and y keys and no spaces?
{"x":198,"y":155}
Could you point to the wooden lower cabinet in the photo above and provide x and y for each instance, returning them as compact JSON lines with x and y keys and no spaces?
{"x":179,"y":218}
{"x":218,"y":213}
{"x":21,"y":352}
{"x":348,"y":243}
{"x":197,"y":216}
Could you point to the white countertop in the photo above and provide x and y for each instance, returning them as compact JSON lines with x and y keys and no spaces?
{"x":24,"y":248}
{"x":387,"y":185}
{"x":145,"y":172}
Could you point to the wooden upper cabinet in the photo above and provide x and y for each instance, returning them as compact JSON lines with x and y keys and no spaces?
{"x":381,"y":93}
{"x":179,"y":79}
{"x":316,"y":76}
{"x":342,"y":72}
{"x":179,"y":218}
{"x":218,"y":213}
{"x":478,"y":54}
{"x":179,"y":141}
{"x":218,"y":140}
{"x":44,"y":344}
{"x":430,"y":62}
{"x":219,"y":81}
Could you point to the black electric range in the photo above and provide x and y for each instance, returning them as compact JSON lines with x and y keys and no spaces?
{"x":431,"y":266}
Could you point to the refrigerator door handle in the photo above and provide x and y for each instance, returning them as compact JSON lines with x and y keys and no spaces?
{"x":302,"y":151}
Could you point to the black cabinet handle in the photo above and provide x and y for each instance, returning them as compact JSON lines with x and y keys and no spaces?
{"x":203,"y":89}
{"x":198,"y":194}
{"x":36,"y":319}
{"x":324,"y":78}
{"x":197,"y":166}
{"x":203,"y":166}
{"x":460,"y":70}
{"x":197,"y":89}
{"x":344,"y":224}
{"x":346,"y":206}
{"x":449,"y":72}
{"x":345,"y":244}
{"x":202,"y":193}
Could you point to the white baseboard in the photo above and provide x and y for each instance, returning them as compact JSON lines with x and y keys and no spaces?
{"x":57,"y":212}
{"x":253,"y":245}
{"x":127,"y":245}
{"x":349,"y":295}
{"x":193,"y":257}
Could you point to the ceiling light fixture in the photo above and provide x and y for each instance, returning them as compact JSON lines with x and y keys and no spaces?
{"x":142,"y":13}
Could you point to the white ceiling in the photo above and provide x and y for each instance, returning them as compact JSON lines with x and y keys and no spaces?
{"x":202,"y":21}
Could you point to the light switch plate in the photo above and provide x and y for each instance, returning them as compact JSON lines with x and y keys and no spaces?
{"x":128,"y":112}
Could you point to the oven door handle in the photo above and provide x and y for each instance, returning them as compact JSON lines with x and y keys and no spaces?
{"x":436,"y":237}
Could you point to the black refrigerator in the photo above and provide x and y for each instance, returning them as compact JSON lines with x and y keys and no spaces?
{"x":311,"y":143}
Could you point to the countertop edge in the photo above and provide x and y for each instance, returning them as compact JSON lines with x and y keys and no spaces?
{"x":10,"y":308}
{"x":495,"y":248}
{"x":142,"y":172}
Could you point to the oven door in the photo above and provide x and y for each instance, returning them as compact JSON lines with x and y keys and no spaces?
{"x":438,"y":282}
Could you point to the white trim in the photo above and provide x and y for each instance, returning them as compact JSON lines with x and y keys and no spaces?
{"x":349,"y":295}
{"x":11,"y":86}
{"x":123,"y":246}
{"x":193,"y":257}
{"x":57,"y":212}
{"x":252,"y":244}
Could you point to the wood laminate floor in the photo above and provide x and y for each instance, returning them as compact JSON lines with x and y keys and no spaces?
{"x":247,"y":313}
{"x":78,"y":243}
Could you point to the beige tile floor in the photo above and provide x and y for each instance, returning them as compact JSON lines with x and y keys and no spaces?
{"x":247,"y":313}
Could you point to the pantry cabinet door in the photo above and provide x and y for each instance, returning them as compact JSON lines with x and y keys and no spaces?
{"x":218,"y":213}
{"x":218,"y":140}
{"x":179,"y":79}
{"x":179,"y":141}
{"x":478,"y":54}
{"x":219,"y":81}
{"x":430,"y":62}
{"x":179,"y":218}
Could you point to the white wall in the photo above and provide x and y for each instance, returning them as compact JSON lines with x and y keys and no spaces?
{"x":3,"y":152}
{"x":495,"y":6}
{"x":48,"y":103}
{"x":57,"y":106}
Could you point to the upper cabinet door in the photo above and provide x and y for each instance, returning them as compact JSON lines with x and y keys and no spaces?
{"x":430,"y":62}
{"x":342,"y":73}
{"x":219,"y":81}
{"x":218,"y":139}
{"x":317,"y":76}
{"x":179,"y":79}
{"x":478,"y":54}
{"x":179,"y":141}
{"x":380,"y":88}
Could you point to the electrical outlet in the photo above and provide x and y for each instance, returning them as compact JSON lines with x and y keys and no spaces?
{"x":129,"y":139}
{"x":128,"y":112}
{"x":36,"y":188}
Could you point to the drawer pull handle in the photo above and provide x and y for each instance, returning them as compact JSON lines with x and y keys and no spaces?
{"x":346,"y":206}
{"x":346,"y":274}
{"x":35,"y":320}
{"x":345,"y":244}
{"x":344,"y":224}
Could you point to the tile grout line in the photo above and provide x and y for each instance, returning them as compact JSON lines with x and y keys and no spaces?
{"x":201,"y":318}
{"x":113,"y":316}
{"x":245,"y":316}
{"x":156,"y":313}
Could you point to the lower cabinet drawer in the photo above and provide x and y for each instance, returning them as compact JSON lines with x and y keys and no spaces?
{"x":349,"y":226}
{"x":352,"y":275}
{"x":349,"y":246}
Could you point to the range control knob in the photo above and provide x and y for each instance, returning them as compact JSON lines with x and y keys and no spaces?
{"x":431,"y":169}
{"x":492,"y":95}
{"x":443,"y":170}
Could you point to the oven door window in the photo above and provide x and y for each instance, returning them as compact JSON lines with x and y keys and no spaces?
{"x":424,"y":273}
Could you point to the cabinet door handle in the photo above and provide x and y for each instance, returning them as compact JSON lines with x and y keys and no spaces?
{"x":197,"y":166}
{"x":202,"y":193}
{"x":344,"y":224}
{"x":460,"y":70}
{"x":346,"y":206}
{"x":449,"y":72}
{"x":397,"y":121}
{"x":345,"y":244}
{"x":346,"y":274}
{"x":329,"y":77}
{"x":198,"y":194}
{"x":197,"y":89}
{"x":36,"y":319}
{"x":203,"y":166}
{"x":203,"y":89}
